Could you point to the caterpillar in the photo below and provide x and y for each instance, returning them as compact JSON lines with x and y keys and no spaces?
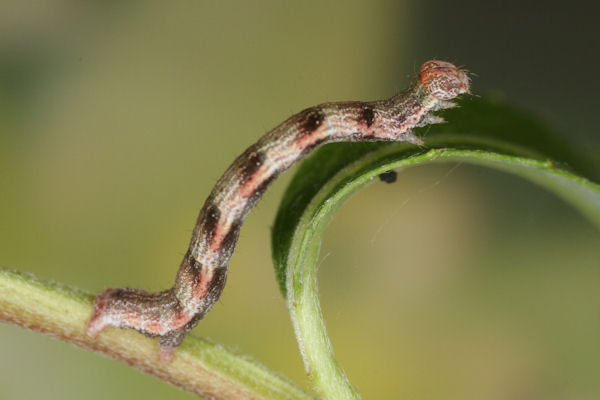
{"x":171,"y":314}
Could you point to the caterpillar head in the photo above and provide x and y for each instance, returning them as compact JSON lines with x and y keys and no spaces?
{"x":443,"y":80}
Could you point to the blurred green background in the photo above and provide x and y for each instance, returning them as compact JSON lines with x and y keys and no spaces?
{"x":116,"y":119}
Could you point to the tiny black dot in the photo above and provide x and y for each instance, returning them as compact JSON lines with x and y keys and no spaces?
{"x":388,"y":177}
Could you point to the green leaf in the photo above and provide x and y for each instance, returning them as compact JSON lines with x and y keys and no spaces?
{"x":482,"y":131}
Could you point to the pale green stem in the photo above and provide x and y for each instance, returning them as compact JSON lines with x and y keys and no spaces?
{"x":301,"y":264}
{"x":198,"y":366}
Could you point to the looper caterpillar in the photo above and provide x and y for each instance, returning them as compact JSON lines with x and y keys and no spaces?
{"x":201,"y":277}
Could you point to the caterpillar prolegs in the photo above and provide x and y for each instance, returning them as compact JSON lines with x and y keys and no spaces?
{"x":172,"y":313}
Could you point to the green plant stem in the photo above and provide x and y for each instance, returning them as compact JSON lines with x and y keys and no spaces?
{"x":297,"y":258}
{"x":198,"y":366}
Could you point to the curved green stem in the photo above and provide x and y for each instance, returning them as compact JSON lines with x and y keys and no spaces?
{"x":331,"y":176}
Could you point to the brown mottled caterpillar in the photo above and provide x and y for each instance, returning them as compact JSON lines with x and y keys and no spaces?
{"x":171,"y":314}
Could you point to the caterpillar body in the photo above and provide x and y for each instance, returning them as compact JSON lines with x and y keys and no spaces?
{"x":201,"y":277}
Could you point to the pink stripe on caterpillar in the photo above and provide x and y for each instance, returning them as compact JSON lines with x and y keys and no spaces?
{"x":171,"y":314}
